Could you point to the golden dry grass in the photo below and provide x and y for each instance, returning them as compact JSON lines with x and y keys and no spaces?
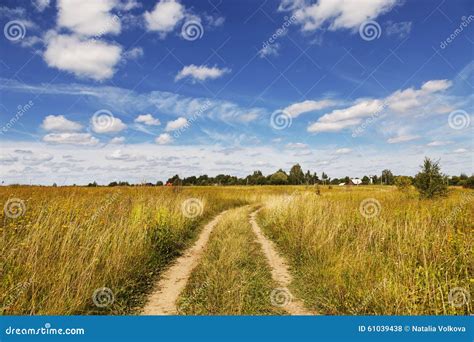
{"x":405,"y":260}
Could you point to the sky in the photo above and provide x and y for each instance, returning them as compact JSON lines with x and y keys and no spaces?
{"x":141,"y":90}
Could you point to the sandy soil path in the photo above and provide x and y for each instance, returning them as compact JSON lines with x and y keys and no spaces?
{"x":173,"y":281}
{"x":280,"y":270}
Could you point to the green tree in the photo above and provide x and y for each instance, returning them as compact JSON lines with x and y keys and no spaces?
{"x":296,"y":176}
{"x":365,"y":180}
{"x":279,"y":178}
{"x":387,"y":177}
{"x":430,"y":182}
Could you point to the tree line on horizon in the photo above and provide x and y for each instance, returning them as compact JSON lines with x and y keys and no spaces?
{"x":296,"y":176}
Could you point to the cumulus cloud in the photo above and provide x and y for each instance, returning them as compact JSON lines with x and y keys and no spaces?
{"x":165,"y":17}
{"x":147,"y":119}
{"x":83,"y":57}
{"x":176,"y":124}
{"x":402,"y":138}
{"x":91,"y":19}
{"x":400,"y":102}
{"x":117,"y":140}
{"x":134,"y":53}
{"x":201,"y":73}
{"x":296,"y":109}
{"x":58,"y":123}
{"x":71,"y":139}
{"x":294,"y":146}
{"x":439,"y":143}
{"x":343,"y":151}
{"x":460,"y":151}
{"x":163,"y":139}
{"x":37,"y":158}
{"x":335,"y":14}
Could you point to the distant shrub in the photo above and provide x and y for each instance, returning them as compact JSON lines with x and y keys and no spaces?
{"x":403,"y":183}
{"x":430,"y":182}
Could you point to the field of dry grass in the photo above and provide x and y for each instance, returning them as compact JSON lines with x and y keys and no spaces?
{"x":70,"y":243}
{"x":376,"y":250}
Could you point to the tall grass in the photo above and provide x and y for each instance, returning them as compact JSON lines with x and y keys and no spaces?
{"x":72,"y":241}
{"x":405,"y":260}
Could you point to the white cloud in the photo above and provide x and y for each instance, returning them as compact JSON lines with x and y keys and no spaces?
{"x":37,"y":158}
{"x":296,"y":146}
{"x":165,"y":16}
{"x":84,"y":58}
{"x":58,"y":123}
{"x":134,"y":53}
{"x":71,"y":138}
{"x":147,"y":119}
{"x":119,"y":155}
{"x":296,"y":109}
{"x":343,"y":151}
{"x":406,"y":101}
{"x":163,"y":139}
{"x":201,"y":73}
{"x":109,"y":124}
{"x":176,"y":124}
{"x":117,"y":140}
{"x":317,"y":127}
{"x":401,"y":29}
{"x":90,"y":19}
{"x":439,"y":143}
{"x":402,"y":138}
{"x":269,"y":50}
{"x":335,"y":14}
{"x":7,"y":159}
{"x":460,"y":151}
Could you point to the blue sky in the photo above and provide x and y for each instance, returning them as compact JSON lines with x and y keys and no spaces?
{"x":141,"y":90}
